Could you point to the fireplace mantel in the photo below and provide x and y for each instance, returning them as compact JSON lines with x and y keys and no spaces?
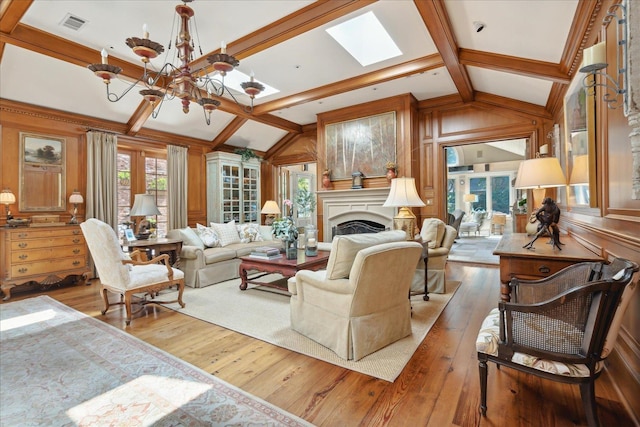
{"x":339,"y":206}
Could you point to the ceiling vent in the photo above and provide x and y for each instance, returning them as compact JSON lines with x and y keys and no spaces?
{"x":73,"y":22}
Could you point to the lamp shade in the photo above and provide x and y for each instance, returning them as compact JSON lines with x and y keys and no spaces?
{"x":580,"y":170}
{"x":144,"y":205}
{"x":470,"y":198}
{"x":270,"y":208}
{"x":7,"y":197}
{"x":541,"y":172}
{"x":76,"y":198}
{"x":403,"y":193}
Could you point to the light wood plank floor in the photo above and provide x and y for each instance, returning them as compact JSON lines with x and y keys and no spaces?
{"x":438,"y":387}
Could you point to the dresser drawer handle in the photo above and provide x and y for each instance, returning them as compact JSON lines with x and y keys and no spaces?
{"x":76,"y":232}
{"x":23,"y":256}
{"x":22,"y":245}
{"x":76,"y":251}
{"x":76,"y":263}
{"x":76,"y":240}
{"x":544,"y":269}
{"x":22,"y":235}
{"x":23,"y":270}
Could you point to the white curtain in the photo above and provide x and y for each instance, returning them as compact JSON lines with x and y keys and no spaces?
{"x":177,"y":187}
{"x":102,"y":186}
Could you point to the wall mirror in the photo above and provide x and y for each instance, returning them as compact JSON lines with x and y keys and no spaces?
{"x":579,"y":144}
{"x":42,"y":173}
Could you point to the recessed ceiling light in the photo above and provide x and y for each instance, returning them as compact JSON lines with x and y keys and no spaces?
{"x":365,"y":39}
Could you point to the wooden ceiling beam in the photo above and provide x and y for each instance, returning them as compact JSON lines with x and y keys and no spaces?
{"x":306,"y":19}
{"x":435,"y":17}
{"x":228,"y":132}
{"x":11,"y":12}
{"x":511,"y":64}
{"x":375,"y":77}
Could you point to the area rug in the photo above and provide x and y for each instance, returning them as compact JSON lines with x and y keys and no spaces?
{"x":262,"y":314}
{"x":60,"y":367}
{"x":475,"y":249}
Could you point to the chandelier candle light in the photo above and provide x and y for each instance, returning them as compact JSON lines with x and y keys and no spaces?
{"x":403,"y":194}
{"x":178,"y":82}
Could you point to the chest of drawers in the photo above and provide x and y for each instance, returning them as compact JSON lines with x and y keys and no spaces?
{"x":46,"y":255}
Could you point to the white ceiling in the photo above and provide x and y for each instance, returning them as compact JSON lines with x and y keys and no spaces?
{"x":308,"y":61}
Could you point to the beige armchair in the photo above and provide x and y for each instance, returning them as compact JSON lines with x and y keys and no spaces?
{"x":359,"y":304}
{"x":440,"y":238}
{"x":127,"y":275}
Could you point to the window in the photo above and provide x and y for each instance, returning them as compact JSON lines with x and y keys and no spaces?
{"x":141,"y":172}
{"x":478,"y":186}
{"x":500,"y":191}
{"x":451,"y":194}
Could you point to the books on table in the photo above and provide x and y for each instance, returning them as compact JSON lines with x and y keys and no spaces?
{"x":265,"y":252}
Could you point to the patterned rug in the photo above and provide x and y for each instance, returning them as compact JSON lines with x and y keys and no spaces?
{"x":59,"y":367}
{"x":263,"y":313}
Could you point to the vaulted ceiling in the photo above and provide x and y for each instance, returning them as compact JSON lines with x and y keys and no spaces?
{"x":526,"y":53}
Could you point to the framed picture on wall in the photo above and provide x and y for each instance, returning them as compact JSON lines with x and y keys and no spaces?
{"x":42,"y":173}
{"x":362,"y":145}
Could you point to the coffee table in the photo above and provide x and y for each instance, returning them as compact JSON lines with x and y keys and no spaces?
{"x":286,"y":267}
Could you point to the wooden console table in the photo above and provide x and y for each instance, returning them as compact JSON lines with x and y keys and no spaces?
{"x":536,"y":263}
{"x":154,"y":247}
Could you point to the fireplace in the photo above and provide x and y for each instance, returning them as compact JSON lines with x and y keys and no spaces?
{"x":355,"y":206}
{"x":356,"y":227}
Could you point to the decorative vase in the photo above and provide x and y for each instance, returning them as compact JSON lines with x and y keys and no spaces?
{"x":291,"y":248}
{"x":391,"y":173}
{"x":326,"y":181}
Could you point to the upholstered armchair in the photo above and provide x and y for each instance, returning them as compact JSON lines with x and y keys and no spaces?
{"x":126,"y":274}
{"x":559,"y":328}
{"x":359,"y":304}
{"x":454,"y":219}
{"x":439,"y":239}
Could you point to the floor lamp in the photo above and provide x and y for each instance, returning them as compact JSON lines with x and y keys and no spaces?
{"x":403,"y":195}
{"x":471,"y":199}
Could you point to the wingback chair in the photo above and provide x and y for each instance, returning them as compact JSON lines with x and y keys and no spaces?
{"x":125,"y":274}
{"x":439,"y":239}
{"x":559,"y":328}
{"x":359,"y":304}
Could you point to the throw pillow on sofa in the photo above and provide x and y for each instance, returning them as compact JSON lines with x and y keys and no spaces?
{"x":249,"y":233}
{"x":227,"y":233}
{"x":190,"y":238}
{"x":208,"y":236}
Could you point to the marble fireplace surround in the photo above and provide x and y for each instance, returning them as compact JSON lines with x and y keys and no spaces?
{"x":339,"y":206}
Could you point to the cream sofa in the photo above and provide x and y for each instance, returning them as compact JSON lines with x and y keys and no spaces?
{"x":360,"y":303}
{"x":204,"y":266}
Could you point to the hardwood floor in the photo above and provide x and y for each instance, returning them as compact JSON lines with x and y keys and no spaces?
{"x":438,"y":387}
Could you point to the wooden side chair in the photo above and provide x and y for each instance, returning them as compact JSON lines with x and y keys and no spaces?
{"x":559,"y":328}
{"x":126,"y":274}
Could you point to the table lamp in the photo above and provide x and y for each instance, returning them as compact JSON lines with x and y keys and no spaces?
{"x":403,"y":194}
{"x":7,"y":198}
{"x":537,"y":175}
{"x":143,"y":205}
{"x":270,"y":209}
{"x":75,"y":198}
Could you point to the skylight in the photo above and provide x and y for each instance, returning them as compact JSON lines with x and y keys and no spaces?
{"x":365,"y":39}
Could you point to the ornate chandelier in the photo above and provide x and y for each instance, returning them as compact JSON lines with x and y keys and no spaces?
{"x":178,"y":82}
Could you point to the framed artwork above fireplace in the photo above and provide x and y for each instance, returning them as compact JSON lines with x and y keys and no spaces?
{"x":365,"y":145}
